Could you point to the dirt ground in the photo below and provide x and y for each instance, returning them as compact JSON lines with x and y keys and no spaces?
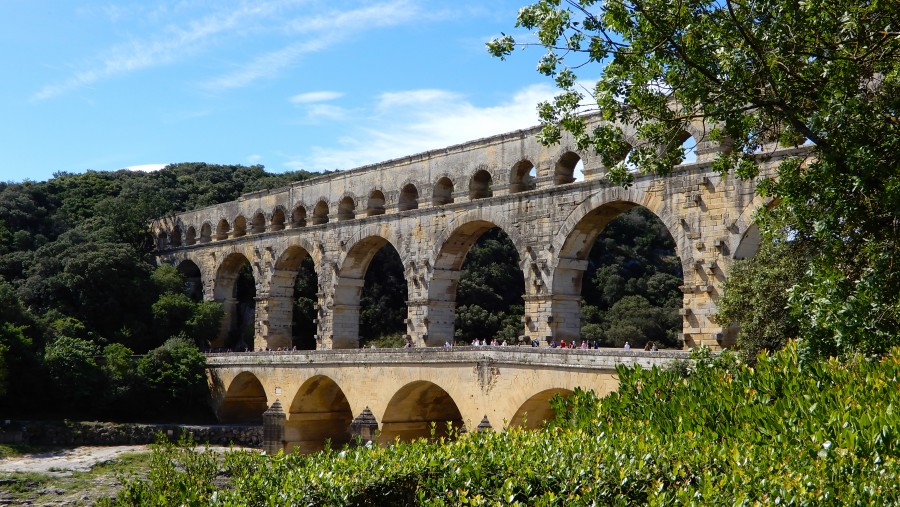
{"x":63,"y":462}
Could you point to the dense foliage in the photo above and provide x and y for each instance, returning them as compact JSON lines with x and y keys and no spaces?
{"x":714,"y":432}
{"x":825,"y":73}
{"x":80,"y":295}
{"x":631,"y":288}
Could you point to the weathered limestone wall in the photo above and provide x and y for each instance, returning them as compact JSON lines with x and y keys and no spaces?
{"x":341,"y":220}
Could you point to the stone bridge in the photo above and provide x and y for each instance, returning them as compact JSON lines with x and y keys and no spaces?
{"x":433,"y":206}
{"x":331,"y":394}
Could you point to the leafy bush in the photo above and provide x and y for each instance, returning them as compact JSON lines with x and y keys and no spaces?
{"x":717,"y":432}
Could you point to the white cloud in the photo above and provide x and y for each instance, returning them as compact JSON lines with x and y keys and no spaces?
{"x":409,"y":122}
{"x":146,"y":168}
{"x":324,"y":30}
{"x":172,"y":43}
{"x":311,"y":97}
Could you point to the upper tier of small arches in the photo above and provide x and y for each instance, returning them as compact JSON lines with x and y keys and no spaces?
{"x":503,"y":165}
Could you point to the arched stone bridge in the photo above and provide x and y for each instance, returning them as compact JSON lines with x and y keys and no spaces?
{"x":403,"y":392}
{"x":433,"y":206}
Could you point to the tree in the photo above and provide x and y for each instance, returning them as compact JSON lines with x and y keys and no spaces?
{"x":73,"y":372}
{"x":174,"y":376}
{"x":820,"y":72}
{"x":756,"y":297}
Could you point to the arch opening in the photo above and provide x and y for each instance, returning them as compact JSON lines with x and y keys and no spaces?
{"x":347,"y":208}
{"x":222,"y":229}
{"x":476,"y":288}
{"x":258,"y":225}
{"x":175,"y":239}
{"x":245,"y":401}
{"x":191,"y":236}
{"x":236,"y":291}
{"x":193,"y":284}
{"x":319,"y":413}
{"x":409,"y":198}
{"x":564,"y":170}
{"x":522,"y":177}
{"x":162,"y":240}
{"x":293,"y":301}
{"x":375,"y":206}
{"x":537,"y":410}
{"x":240,"y":227}
{"x":443,"y":192}
{"x":480,"y":185}
{"x":205,"y":233}
{"x":382,"y":301}
{"x":420,"y":409}
{"x":278,"y":219}
{"x":320,"y":213}
{"x":298,"y":217}
{"x":351,"y":309}
{"x":630,"y":284}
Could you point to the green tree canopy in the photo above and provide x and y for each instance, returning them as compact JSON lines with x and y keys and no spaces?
{"x":822,"y":72}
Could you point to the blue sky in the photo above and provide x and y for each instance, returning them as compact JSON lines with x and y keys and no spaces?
{"x":290,"y":84}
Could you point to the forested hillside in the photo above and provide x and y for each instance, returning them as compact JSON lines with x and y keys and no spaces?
{"x":80,"y":293}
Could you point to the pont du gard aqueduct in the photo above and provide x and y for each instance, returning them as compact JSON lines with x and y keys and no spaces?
{"x":432,"y":207}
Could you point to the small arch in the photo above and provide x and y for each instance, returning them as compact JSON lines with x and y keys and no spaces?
{"x":240,"y":227}
{"x":298,"y":217}
{"x":191,"y":237}
{"x":162,"y":240}
{"x":278,"y":219}
{"x":347,"y":208}
{"x":415,"y":408}
{"x":222,"y":229}
{"x":480,"y":185}
{"x":375,"y":206}
{"x":443,"y":192}
{"x":175,"y":239}
{"x":320,"y":213}
{"x":522,"y":177}
{"x":245,"y":401}
{"x":320,"y":413}
{"x":205,"y":233}
{"x":409,"y":198}
{"x":564,"y":170}
{"x":537,"y":410}
{"x":258,"y":225}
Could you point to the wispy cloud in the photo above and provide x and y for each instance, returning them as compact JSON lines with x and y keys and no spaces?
{"x":172,"y":43}
{"x":312,"y":97}
{"x":322,"y":31}
{"x":406,"y":122}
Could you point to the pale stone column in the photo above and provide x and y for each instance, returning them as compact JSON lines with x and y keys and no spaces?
{"x":417,"y":322}
{"x":440,"y":312}
{"x":275,"y":317}
{"x":345,"y":313}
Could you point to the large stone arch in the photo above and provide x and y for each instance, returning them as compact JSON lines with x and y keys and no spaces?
{"x":225,"y":292}
{"x":536,"y":410}
{"x":414,"y":408}
{"x":350,"y":276}
{"x":575,"y":238}
{"x":280,"y":307}
{"x":446,"y":259}
{"x":744,"y":229}
{"x":319,"y":413}
{"x":244,"y":401}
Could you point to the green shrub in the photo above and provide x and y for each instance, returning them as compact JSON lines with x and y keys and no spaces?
{"x":718,"y":432}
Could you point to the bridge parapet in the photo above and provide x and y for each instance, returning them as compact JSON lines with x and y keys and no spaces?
{"x":410,"y":393}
